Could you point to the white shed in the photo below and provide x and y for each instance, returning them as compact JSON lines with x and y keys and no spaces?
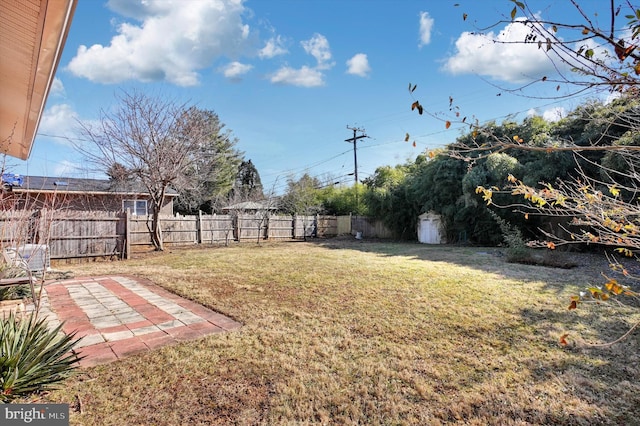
{"x":430,"y":228}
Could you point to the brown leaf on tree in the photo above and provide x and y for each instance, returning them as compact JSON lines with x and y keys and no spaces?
{"x":414,"y":144}
{"x":447,"y":124}
{"x":623,"y":52}
{"x":406,"y":137}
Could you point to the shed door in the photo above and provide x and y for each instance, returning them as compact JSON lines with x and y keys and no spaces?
{"x":429,"y":233}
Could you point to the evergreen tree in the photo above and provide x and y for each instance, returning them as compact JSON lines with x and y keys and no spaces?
{"x":211,"y":172}
{"x":247,"y":185}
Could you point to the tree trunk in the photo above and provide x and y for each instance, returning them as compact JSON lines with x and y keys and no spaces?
{"x":156,"y":230}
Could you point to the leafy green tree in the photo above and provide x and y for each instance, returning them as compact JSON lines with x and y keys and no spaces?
{"x":387,"y":198}
{"x":302,"y":196}
{"x":343,"y":200}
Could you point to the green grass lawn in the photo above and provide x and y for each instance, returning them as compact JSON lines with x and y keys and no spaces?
{"x":347,"y":332}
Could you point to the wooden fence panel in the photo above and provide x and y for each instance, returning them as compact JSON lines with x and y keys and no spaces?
{"x":139,"y":233}
{"x":83,"y":234}
{"x":326,"y":226}
{"x":215,"y":229}
{"x":280,"y":227}
{"x":305,"y":226}
{"x":17,"y":227}
{"x":251,"y":227}
{"x":370,"y":227}
{"x":344,"y":225}
{"x":179,"y":230}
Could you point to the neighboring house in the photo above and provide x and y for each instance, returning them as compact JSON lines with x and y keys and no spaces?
{"x":37,"y":192}
{"x":32,"y":36}
{"x":251,"y":207}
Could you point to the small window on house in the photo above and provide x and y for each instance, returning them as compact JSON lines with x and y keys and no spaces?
{"x":136,"y":207}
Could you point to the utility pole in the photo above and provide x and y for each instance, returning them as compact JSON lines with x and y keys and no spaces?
{"x":354,"y":141}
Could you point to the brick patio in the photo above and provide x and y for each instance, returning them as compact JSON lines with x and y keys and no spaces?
{"x":119,"y":316}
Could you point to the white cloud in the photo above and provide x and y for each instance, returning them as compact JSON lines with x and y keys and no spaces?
{"x":235,"y":69}
{"x":57,"y":88}
{"x":172,"y":42}
{"x":496,"y":57}
{"x":426,"y":25}
{"x":273,"y":47}
{"x":58,"y":121}
{"x":359,"y":65}
{"x":554,"y":114}
{"x":318,"y":47}
{"x":612,"y":96}
{"x":304,"y":77}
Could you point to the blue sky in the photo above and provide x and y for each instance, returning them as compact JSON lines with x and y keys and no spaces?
{"x":288,"y":76}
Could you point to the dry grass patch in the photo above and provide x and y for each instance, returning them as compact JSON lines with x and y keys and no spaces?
{"x":355,"y":332}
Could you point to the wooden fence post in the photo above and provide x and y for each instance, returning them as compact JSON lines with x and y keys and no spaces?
{"x":294,"y":221}
{"x":40,"y":234}
{"x":199,"y":228}
{"x":127,"y":235}
{"x":315,"y":225}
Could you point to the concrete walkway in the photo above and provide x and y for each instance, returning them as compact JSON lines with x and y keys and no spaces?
{"x":119,"y":315}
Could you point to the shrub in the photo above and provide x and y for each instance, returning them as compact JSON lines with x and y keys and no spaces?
{"x":517,"y":250}
{"x":15,"y":292}
{"x":32,"y":356}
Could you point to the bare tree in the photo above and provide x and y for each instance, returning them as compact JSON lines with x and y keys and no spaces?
{"x":597,"y":53}
{"x":153,"y":139}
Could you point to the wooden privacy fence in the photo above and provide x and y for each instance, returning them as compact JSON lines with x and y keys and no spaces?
{"x":369,"y":227}
{"x":68,"y":234}
{"x":79,"y":234}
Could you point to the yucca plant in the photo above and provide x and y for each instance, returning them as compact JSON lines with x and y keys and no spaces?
{"x":32,"y":356}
